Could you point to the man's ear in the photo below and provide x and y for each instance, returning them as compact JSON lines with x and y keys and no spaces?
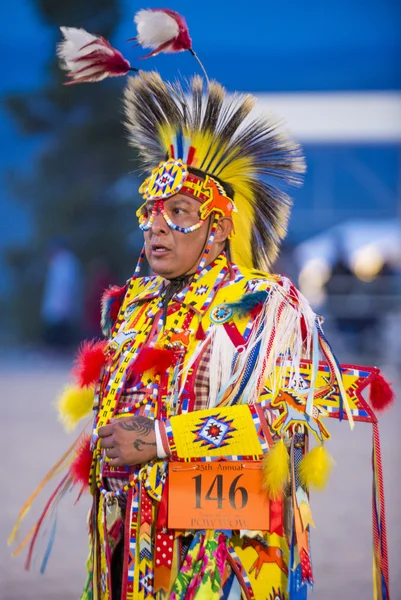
{"x":224,"y":228}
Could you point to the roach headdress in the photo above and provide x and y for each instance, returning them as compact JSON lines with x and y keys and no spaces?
{"x":188,"y":136}
{"x":197,"y":141}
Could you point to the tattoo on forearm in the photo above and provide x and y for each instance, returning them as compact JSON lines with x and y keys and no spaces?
{"x":141,"y":425}
{"x":139,"y":443}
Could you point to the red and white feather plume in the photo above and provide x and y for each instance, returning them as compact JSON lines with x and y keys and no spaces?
{"x":162,"y":30}
{"x":89,"y":58}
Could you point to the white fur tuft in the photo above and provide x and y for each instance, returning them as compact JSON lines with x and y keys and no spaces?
{"x":155,"y":27}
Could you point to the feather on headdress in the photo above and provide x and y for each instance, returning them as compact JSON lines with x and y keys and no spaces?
{"x":215,"y":134}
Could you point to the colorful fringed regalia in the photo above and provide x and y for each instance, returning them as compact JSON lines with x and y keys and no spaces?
{"x":232,"y":365}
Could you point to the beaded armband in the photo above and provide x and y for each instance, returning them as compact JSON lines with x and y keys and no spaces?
{"x":234,"y":432}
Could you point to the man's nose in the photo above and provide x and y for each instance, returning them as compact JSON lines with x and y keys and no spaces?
{"x":159,"y":224}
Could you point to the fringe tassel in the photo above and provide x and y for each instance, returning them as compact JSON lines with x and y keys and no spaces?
{"x":200,"y":332}
{"x":336,"y":369}
{"x":315,"y":368}
{"x":283,"y":330}
{"x":62,"y":488}
{"x":381,"y":588}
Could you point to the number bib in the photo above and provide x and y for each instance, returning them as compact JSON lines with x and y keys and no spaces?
{"x":217,"y":495}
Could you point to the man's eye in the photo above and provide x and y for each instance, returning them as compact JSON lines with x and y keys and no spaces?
{"x":178,"y":211}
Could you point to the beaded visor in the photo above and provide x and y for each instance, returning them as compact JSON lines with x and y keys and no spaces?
{"x":172,"y":177}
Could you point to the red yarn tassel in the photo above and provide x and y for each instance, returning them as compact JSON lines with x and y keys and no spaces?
{"x":81,"y":465}
{"x":157,"y":359}
{"x":381,"y":394}
{"x":89,"y":362}
{"x":200,"y":333}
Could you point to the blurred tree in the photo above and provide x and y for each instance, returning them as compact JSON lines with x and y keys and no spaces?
{"x":84,"y":154}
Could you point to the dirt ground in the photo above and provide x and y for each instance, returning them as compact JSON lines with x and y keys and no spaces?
{"x":31,"y":441}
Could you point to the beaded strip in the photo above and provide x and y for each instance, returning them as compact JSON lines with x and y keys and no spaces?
{"x":159,"y":207}
{"x":110,"y":495}
{"x":115,"y":384}
{"x":130,"y":409}
{"x":240,"y":572}
{"x":182,"y":295}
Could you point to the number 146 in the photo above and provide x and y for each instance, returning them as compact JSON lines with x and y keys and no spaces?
{"x":217,"y":488}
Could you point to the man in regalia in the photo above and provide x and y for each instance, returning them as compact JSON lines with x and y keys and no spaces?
{"x":214,"y":373}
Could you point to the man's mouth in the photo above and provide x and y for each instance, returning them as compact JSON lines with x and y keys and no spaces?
{"x":159,"y":249}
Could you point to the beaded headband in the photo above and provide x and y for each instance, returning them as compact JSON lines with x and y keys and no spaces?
{"x":172,"y":177}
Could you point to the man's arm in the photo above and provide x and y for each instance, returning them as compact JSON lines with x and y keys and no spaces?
{"x":227,"y":431}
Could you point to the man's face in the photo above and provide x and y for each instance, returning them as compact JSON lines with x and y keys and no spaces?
{"x":171,"y":253}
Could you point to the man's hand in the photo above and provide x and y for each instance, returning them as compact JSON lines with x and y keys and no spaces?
{"x":129,"y":441}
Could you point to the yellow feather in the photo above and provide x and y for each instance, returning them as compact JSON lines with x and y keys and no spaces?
{"x":240,"y":243}
{"x":315,"y":468}
{"x":166,"y":133}
{"x":202,"y":141}
{"x":74,"y":404}
{"x":236,"y":171}
{"x":276,"y":470}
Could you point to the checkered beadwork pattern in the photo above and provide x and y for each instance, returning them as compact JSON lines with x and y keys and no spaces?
{"x":201,"y":385}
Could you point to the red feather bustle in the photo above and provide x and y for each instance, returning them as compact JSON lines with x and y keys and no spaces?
{"x":381,"y":394}
{"x":157,"y":359}
{"x":89,"y":362}
{"x":81,"y":465}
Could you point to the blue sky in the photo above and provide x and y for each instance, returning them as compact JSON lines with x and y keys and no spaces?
{"x":347,"y":44}
{"x":293,"y":45}
{"x":257,"y":46}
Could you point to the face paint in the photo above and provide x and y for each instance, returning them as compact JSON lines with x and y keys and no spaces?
{"x":148,"y":211}
{"x":172,"y":178}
